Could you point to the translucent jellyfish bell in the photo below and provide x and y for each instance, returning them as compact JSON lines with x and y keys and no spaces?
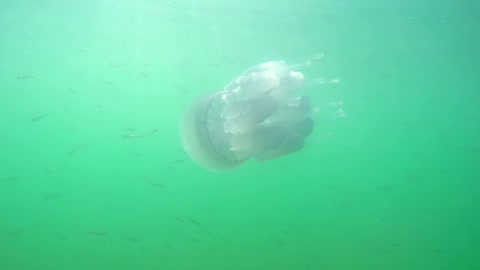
{"x":259,"y":115}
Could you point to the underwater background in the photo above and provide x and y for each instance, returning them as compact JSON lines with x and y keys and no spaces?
{"x":92,"y":171}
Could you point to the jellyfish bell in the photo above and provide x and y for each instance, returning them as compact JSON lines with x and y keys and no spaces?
{"x":203,"y":137}
{"x":259,"y":115}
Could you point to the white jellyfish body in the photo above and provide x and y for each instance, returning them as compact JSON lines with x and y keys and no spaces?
{"x":259,"y":115}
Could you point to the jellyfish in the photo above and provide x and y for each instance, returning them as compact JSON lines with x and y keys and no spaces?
{"x":259,"y":115}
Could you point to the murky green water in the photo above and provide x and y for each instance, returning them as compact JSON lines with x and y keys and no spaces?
{"x":93,"y":175}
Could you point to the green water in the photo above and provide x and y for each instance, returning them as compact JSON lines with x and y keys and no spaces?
{"x":395,"y":186}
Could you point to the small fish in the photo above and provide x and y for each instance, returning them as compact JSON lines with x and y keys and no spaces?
{"x":278,"y":241}
{"x":226,"y":240}
{"x":16,"y":232}
{"x":392,"y":244}
{"x":195,"y":240}
{"x":96,"y":233}
{"x":385,"y":187}
{"x":105,"y":82}
{"x":131,"y":239}
{"x":51,"y":196}
{"x":181,"y":160}
{"x":215,"y":65}
{"x":412,"y":177}
{"x":343,"y":205}
{"x":25,"y":76}
{"x":77,"y":148}
{"x":471,"y":149}
{"x":381,"y":249}
{"x":445,"y":172}
{"x":137,"y":154}
{"x":10,"y":178}
{"x":153,"y":183}
{"x":152,"y":132}
{"x":38,"y":118}
{"x":195,"y":222}
{"x":438,"y":251}
{"x":132,"y":136}
{"x":179,"y":219}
